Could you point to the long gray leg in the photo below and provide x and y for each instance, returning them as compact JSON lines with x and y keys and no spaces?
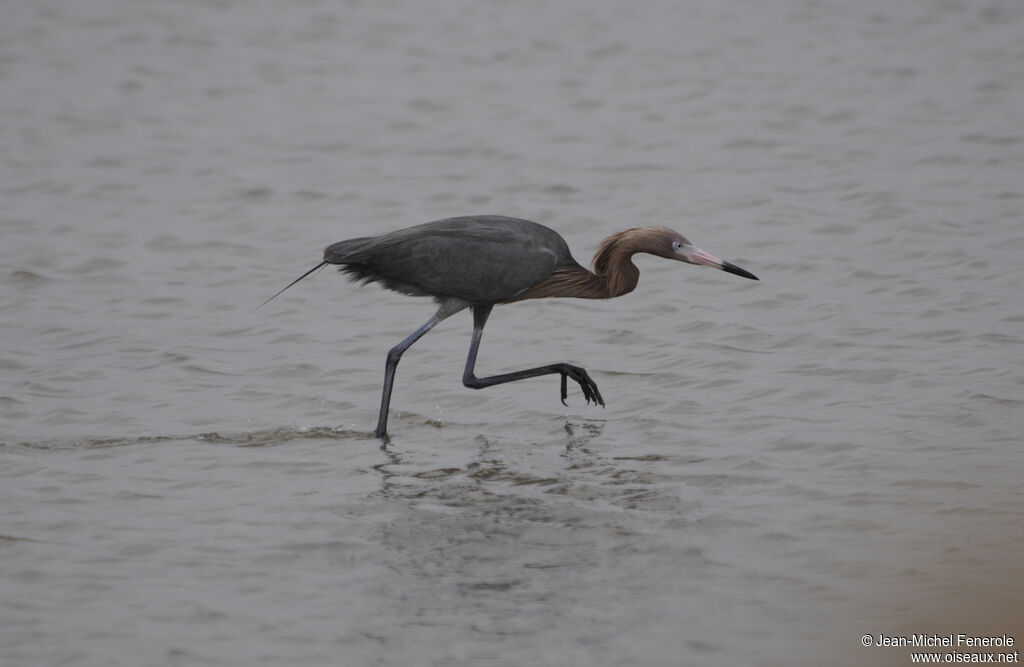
{"x":480,"y":315}
{"x":447,"y":309}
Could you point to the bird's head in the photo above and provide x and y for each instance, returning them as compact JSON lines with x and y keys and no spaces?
{"x":670,"y":244}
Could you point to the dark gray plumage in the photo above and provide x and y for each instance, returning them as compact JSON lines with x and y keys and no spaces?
{"x":479,"y":259}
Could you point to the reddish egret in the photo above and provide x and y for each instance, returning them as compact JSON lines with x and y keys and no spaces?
{"x":479,"y":261}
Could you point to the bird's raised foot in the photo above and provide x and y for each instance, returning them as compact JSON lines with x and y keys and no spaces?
{"x":587,"y":384}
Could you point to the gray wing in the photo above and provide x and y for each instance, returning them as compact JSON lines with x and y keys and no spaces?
{"x":481,"y":259}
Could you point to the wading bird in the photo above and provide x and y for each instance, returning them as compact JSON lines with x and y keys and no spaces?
{"x":480,"y":261}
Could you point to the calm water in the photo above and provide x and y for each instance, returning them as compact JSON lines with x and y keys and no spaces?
{"x":782,"y":466}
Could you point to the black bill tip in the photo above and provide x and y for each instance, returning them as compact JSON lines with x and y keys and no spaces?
{"x":732,"y":268}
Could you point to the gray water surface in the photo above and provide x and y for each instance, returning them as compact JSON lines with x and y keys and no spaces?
{"x":781,"y":468}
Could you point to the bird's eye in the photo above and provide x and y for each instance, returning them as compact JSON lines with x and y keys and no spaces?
{"x":676,"y":245}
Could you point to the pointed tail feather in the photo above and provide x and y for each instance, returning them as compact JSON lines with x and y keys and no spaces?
{"x":318,"y":266}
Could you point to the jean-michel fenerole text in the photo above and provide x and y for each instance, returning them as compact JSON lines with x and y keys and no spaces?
{"x":960,"y":640}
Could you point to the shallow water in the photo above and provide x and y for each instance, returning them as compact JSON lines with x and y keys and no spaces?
{"x":781,"y":468}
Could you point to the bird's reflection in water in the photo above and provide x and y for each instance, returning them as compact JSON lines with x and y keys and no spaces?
{"x":512,"y":525}
{"x":413,"y":473}
{"x":580,"y":435}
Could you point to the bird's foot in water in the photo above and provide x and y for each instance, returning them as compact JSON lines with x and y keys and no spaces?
{"x":589,"y":387}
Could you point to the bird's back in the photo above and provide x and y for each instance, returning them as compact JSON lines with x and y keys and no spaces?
{"x":480,"y":259}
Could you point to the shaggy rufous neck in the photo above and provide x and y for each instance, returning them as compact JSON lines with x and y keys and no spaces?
{"x":614,"y":273}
